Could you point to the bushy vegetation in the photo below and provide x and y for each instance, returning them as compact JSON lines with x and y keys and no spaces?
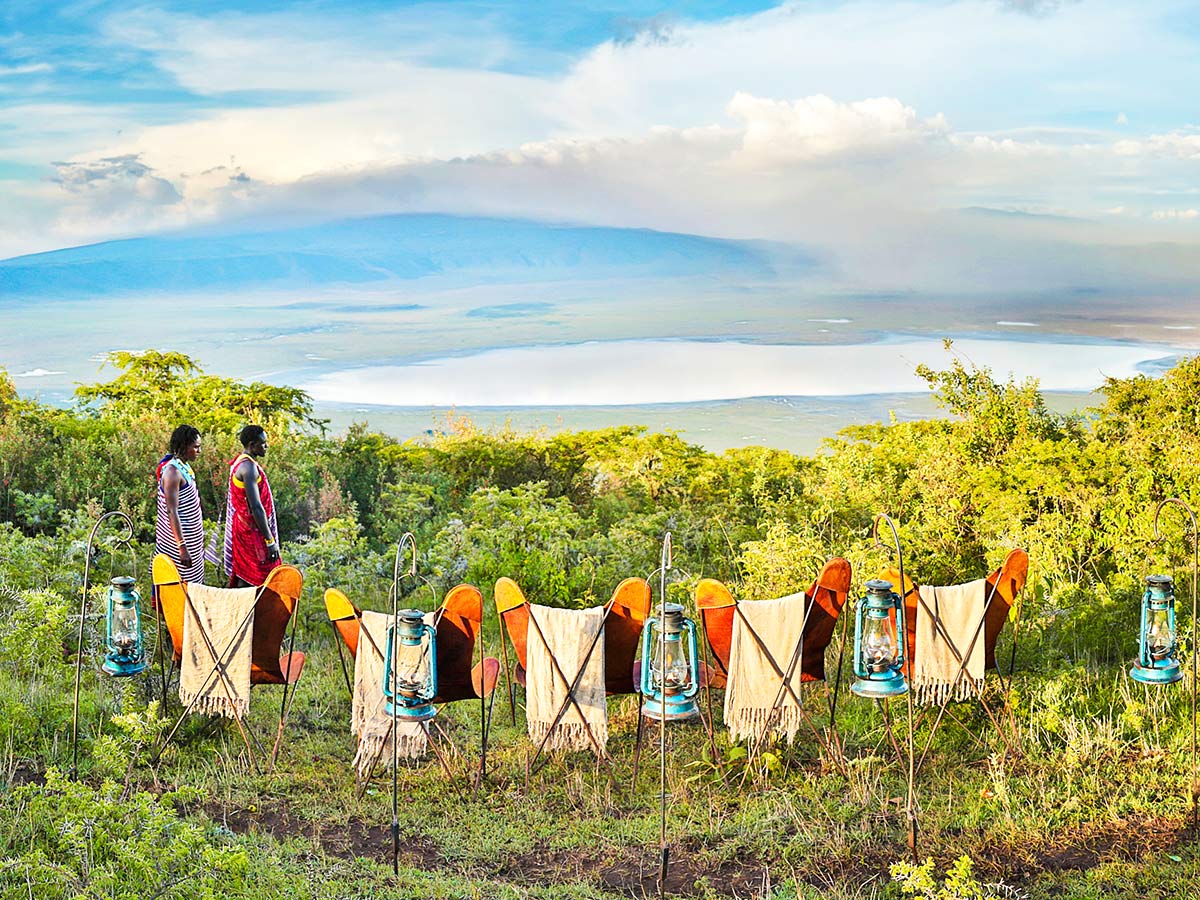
{"x":568,"y":516}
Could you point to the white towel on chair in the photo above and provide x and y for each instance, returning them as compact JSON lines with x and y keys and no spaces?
{"x":368,"y":717}
{"x":221,"y":612}
{"x":960,"y":607}
{"x":754,"y":685}
{"x":569,"y":634}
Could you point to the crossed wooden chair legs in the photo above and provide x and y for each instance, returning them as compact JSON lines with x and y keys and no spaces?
{"x":270,"y":620}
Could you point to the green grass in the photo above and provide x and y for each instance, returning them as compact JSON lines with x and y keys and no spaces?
{"x":1091,"y":802}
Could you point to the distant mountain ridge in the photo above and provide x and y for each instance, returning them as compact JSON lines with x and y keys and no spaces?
{"x":380,"y":249}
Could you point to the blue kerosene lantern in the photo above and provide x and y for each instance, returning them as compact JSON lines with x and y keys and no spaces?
{"x":670,"y":666}
{"x":879,"y":648}
{"x":410,"y":681}
{"x":1156,"y":662}
{"x":126,"y":653}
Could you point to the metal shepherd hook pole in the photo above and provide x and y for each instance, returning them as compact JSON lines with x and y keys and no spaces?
{"x":407,"y":539}
{"x":1175,"y":501}
{"x":911,"y":800}
{"x":665,"y":563}
{"x":87,"y":572}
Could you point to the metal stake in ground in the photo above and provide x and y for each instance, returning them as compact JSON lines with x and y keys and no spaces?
{"x":87,"y":570}
{"x":1195,"y":786}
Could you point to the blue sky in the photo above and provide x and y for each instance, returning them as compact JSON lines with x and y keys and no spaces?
{"x":849,"y":125}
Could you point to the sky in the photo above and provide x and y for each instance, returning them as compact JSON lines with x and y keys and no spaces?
{"x":893,"y":134}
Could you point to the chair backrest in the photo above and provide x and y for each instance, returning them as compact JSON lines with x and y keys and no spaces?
{"x":273,"y":611}
{"x":629,"y":607}
{"x":344,"y":616}
{"x":458,"y":627}
{"x":1003,"y":585}
{"x":457,"y":633}
{"x":171,"y":596}
{"x":829,"y":591}
{"x":627,"y":612}
{"x":716,"y":607}
{"x":513,"y":609}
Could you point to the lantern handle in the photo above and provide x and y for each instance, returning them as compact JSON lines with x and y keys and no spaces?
{"x":127,"y":541}
{"x":895,"y":544}
{"x":406,"y":539}
{"x":1158,"y":536}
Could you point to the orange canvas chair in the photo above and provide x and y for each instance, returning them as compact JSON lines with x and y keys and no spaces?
{"x":274,"y":620}
{"x":624,"y":615}
{"x":826,"y":597}
{"x":1001,"y":591}
{"x":459,"y":627}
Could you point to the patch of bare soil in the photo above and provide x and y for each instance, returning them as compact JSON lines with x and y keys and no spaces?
{"x":1085,"y":847}
{"x":25,"y":773}
{"x":634,"y":871}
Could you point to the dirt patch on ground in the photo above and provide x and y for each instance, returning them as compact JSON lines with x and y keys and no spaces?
{"x":25,"y":773}
{"x":634,"y":871}
{"x":1085,"y":847}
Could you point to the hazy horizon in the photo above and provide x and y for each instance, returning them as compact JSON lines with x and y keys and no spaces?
{"x":380,"y":201}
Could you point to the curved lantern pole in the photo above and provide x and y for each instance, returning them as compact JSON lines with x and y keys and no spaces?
{"x":1158,"y":536}
{"x":409,"y":540}
{"x":665,"y":562}
{"x":911,"y":800}
{"x":125,"y":541}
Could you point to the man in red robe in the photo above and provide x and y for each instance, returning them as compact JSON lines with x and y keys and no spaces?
{"x":251,"y":533}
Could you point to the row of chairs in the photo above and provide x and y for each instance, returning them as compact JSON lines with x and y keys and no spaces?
{"x":465,"y":673}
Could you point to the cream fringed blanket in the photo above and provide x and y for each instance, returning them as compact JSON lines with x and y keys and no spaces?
{"x":754,"y":684}
{"x":960,"y":608}
{"x":221,"y":612}
{"x":368,"y":718}
{"x":569,"y":633}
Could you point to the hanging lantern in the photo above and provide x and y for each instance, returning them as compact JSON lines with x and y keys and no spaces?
{"x":670,"y":666}
{"x":879,"y":649}
{"x":410,"y":683}
{"x":1156,"y":662}
{"x":126,"y":653}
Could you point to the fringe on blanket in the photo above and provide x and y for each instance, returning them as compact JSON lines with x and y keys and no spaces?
{"x":215,"y":703}
{"x":754,"y":723}
{"x":569,"y":735}
{"x":938,"y":693}
{"x":373,"y":749}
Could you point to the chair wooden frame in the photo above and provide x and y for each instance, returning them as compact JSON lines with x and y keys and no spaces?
{"x":624,"y":616}
{"x":1003,"y":587}
{"x":274,"y":616}
{"x":458,"y":624}
{"x":827,"y":594}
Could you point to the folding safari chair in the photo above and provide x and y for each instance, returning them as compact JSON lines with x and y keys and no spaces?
{"x":624,"y":615}
{"x":824,"y":601}
{"x":1001,"y":591}
{"x":458,"y":626}
{"x":272,"y":620}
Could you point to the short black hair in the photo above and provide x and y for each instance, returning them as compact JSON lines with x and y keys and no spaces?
{"x":182,"y":438}
{"x":251,"y":433}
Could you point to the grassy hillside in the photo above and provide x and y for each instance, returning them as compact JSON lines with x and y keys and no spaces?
{"x":1083,"y":793}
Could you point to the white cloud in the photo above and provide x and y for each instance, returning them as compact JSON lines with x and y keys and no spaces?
{"x":1176,"y":214}
{"x":851,"y":126}
{"x":813,"y":127}
{"x":26,"y":69}
{"x":1178,"y":144}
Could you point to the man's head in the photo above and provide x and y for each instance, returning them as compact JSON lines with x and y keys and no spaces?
{"x":185,"y":443}
{"x":254,"y":440}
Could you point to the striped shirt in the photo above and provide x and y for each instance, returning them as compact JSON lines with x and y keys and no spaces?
{"x":190,"y":520}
